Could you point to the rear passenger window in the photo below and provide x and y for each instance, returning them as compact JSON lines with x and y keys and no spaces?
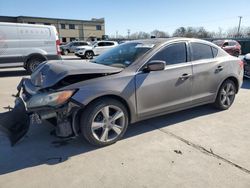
{"x":109,"y":43}
{"x":172,"y":54}
{"x":101,"y":44}
{"x":215,"y":51}
{"x":201,"y":51}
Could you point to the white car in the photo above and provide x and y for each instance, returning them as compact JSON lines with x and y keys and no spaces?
{"x":27,"y":45}
{"x":71,"y":46}
{"x":97,"y":48}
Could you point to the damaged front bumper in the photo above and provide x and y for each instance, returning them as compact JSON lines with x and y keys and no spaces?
{"x":16,"y":122}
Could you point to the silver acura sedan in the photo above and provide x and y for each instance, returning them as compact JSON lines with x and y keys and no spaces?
{"x":132,"y":82}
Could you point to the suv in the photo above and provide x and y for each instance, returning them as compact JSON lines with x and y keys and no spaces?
{"x":27,"y":45}
{"x":230,"y":46}
{"x":98,"y":48}
{"x":71,"y":46}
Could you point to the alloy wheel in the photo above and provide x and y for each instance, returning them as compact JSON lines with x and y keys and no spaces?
{"x":108,"y":123}
{"x":227,"y":94}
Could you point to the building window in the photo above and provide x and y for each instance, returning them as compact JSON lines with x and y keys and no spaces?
{"x":64,"y":39}
{"x":47,"y":24}
{"x":72,"y":39}
{"x":71,"y":26}
{"x":98,"y":27}
{"x":63,"y":26}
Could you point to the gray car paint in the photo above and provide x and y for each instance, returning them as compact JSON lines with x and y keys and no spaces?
{"x":155,"y":93}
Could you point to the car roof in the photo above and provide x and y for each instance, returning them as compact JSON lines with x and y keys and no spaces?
{"x":160,"y":41}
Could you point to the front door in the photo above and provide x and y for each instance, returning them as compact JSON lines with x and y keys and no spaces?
{"x":159,"y":92}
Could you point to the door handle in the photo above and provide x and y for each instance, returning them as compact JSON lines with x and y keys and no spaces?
{"x":185,"y":76}
{"x":219,"y":68}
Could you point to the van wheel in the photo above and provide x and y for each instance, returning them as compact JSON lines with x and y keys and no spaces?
{"x":226,"y":95}
{"x":104,"y":122}
{"x":33,"y":63}
{"x":89,"y":55}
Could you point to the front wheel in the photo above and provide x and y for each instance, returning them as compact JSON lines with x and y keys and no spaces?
{"x":226,"y":95}
{"x":104,"y":122}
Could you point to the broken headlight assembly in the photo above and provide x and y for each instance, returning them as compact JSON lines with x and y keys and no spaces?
{"x":49,"y":99}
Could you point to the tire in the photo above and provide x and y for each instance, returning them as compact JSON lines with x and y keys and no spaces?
{"x":97,"y":126}
{"x":226,"y":95}
{"x":65,"y":52}
{"x":89,"y":55}
{"x":32,"y":63}
{"x":236,"y":54}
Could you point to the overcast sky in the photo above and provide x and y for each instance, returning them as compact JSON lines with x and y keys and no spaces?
{"x":138,"y":15}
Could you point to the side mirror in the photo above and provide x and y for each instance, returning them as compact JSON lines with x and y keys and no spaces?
{"x":155,"y":65}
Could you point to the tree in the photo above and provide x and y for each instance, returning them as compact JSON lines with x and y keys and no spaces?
{"x":180,"y":32}
{"x":192,"y":32}
{"x":139,"y":35}
{"x":159,"y":34}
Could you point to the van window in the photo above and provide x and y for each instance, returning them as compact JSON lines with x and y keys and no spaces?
{"x":201,"y":51}
{"x":172,"y":54}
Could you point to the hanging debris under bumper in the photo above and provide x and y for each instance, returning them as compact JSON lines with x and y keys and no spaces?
{"x":15,"y":123}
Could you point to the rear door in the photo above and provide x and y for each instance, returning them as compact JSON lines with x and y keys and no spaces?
{"x":207,"y":72}
{"x":167,"y":90}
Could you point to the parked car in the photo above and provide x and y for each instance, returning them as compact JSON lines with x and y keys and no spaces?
{"x":230,"y":46}
{"x":134,"y":81}
{"x":99,"y":47}
{"x":246,"y":60}
{"x":71,"y":46}
{"x":27,"y":45}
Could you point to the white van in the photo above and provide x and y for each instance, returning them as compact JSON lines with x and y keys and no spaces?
{"x":27,"y":45}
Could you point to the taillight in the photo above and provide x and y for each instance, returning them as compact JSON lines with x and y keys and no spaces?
{"x":58,"y":47}
{"x":241,"y":64}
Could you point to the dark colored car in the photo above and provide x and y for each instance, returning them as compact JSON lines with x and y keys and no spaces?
{"x":230,"y":46}
{"x":246,"y":61}
{"x":134,"y":81}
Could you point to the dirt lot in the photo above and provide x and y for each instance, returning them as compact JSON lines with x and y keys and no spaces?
{"x":200,"y":147}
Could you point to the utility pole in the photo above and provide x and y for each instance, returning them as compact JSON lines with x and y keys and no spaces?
{"x":128,"y":33}
{"x":240,"y":17}
{"x":116,"y":34}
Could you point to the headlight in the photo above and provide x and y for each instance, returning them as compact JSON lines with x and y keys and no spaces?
{"x":49,"y":99}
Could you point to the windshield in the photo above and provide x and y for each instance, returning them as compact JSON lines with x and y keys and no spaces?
{"x":123,"y":55}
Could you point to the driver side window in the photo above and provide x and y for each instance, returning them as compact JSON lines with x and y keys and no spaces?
{"x":172,"y":54}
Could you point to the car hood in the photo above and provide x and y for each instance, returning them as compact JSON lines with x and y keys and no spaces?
{"x":51,"y":73}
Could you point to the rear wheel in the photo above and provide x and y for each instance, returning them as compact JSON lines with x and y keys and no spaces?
{"x":104,"y":122}
{"x":32,"y":63}
{"x":226,"y":95}
{"x":65,"y":52}
{"x":89,"y":55}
